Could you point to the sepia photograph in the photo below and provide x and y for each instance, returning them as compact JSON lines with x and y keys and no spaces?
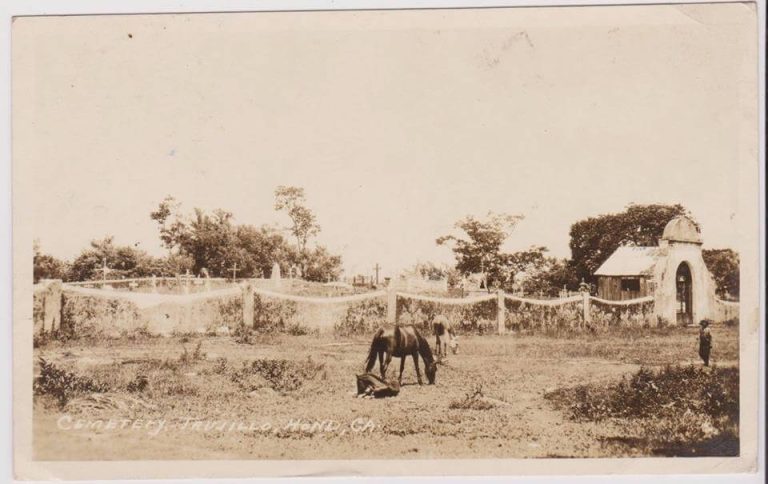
{"x":349,"y":239}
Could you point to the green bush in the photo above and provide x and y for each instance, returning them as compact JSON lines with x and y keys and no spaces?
{"x":547,"y":320}
{"x":228,"y":312}
{"x":86,"y":316}
{"x":281,"y":375}
{"x":473,"y":400}
{"x":63,"y":385}
{"x":138,"y":384}
{"x":674,"y":410}
{"x":362,"y":318}
{"x":197,"y":354}
{"x":634,"y":316}
{"x":272,"y":316}
{"x":476,"y":318}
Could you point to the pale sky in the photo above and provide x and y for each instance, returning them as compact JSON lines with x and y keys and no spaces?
{"x":397,"y":124}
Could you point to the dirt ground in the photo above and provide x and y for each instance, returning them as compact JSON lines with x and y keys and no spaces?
{"x":193,"y":408}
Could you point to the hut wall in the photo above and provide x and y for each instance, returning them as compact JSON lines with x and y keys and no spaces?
{"x":610,"y":287}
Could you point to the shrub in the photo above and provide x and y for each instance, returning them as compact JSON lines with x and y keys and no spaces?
{"x":281,"y":375}
{"x":243,"y":334}
{"x":477,"y":318}
{"x":549,"y":320}
{"x":362,"y":318}
{"x":221,"y":367}
{"x":138,"y":384}
{"x":62,"y":384}
{"x":473,"y":400}
{"x":296,"y":329}
{"x":92,"y":316}
{"x":196,"y":355}
{"x":272,"y":316}
{"x":634,"y":316}
{"x":673,"y":408}
{"x":650,"y":393}
{"x":41,"y":339}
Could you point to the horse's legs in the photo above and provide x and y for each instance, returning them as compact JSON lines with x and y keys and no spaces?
{"x":387,"y":361}
{"x":381,"y":363}
{"x":416,"y":363}
{"x":402,"y":367}
{"x":437,"y":344}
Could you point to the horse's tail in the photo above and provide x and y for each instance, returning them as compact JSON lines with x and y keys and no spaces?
{"x":371,"y":359}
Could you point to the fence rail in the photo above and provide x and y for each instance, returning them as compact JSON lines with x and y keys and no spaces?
{"x":447,"y":300}
{"x":545,"y":302}
{"x":320,"y":299}
{"x":626,"y":302}
{"x":146,"y":302}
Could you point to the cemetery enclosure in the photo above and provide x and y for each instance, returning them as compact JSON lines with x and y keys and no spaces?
{"x":254,"y":303}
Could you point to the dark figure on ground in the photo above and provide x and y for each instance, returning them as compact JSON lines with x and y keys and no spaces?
{"x":705,"y":341}
{"x":401,"y":342}
{"x":370,"y":385}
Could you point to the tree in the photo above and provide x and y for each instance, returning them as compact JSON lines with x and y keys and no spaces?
{"x":291,"y":200}
{"x":479,"y":251}
{"x":173,"y":228}
{"x":214,"y":242}
{"x":320,"y":266}
{"x":209,"y":240}
{"x":548,"y":276}
{"x":594,"y":240}
{"x":723,"y":264}
{"x":46,"y":266}
{"x":430,"y":270}
{"x":121,"y":261}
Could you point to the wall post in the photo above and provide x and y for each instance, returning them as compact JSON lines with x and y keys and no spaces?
{"x":52,"y":306}
{"x":585,"y":307}
{"x":247,"y":291}
{"x":501,"y":312}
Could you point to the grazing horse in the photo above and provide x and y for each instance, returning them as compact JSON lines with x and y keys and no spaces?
{"x":400,"y":342}
{"x":444,"y":337}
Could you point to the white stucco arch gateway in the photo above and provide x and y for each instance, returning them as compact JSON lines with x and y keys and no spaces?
{"x":702,"y":287}
{"x":674,"y":273}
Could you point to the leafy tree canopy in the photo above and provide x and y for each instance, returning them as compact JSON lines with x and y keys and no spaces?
{"x":723,"y":264}
{"x":46,"y":266}
{"x":292,"y":201}
{"x":593,"y":240}
{"x":479,"y":249}
{"x":215,"y":243}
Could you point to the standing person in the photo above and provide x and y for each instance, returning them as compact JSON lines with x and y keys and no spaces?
{"x":705,"y":341}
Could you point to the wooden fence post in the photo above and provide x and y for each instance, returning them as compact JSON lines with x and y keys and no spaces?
{"x":247,"y":290}
{"x":585,"y":307}
{"x":501,"y":312}
{"x":391,"y":304}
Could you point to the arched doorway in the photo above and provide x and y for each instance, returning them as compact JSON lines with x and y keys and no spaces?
{"x":684,"y":294}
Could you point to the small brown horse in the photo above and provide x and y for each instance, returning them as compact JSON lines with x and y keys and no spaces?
{"x":445,"y":337}
{"x":400,"y":342}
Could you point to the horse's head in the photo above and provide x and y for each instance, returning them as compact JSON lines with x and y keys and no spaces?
{"x":454,"y":344}
{"x":431,"y":371}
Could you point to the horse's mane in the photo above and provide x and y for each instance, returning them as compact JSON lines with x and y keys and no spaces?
{"x":424,"y":349}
